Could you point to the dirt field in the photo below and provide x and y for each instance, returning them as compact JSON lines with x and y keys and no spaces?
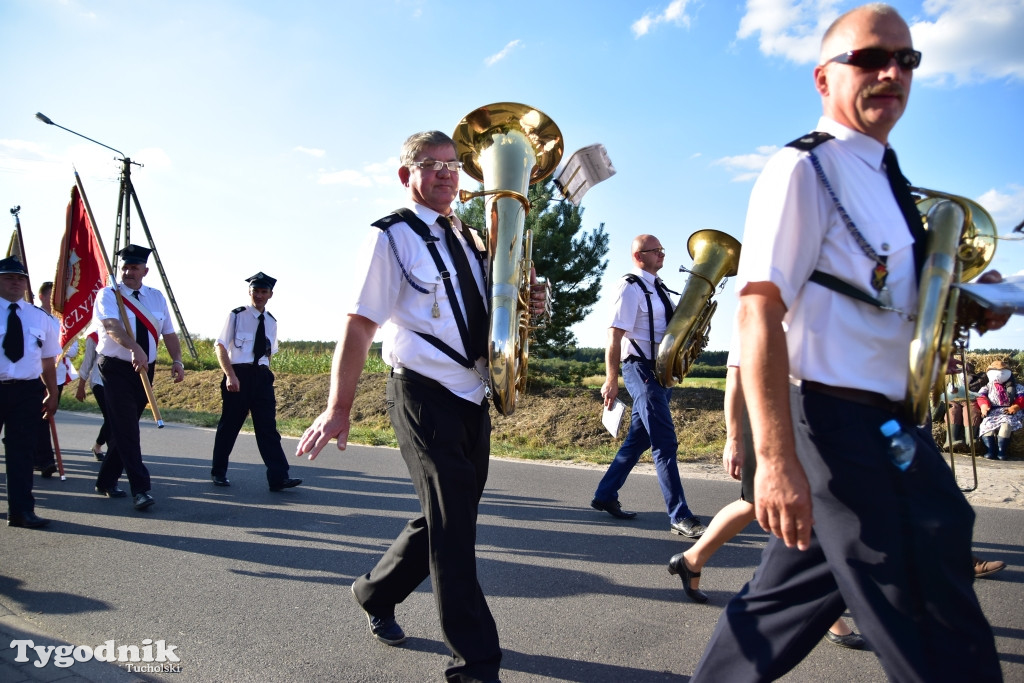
{"x":568,"y":418}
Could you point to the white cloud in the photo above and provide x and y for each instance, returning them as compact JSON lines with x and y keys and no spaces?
{"x":962,"y":40}
{"x":311,"y":152}
{"x":347,"y":177}
{"x":966,"y":41}
{"x":675,"y":13}
{"x":1007,"y":208}
{"x":790,"y":29}
{"x":371,"y":175}
{"x":746,"y":167}
{"x":495,"y":58}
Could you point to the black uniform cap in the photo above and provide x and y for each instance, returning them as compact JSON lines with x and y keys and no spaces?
{"x":133,"y":253}
{"x":11,"y":265}
{"x":261,"y":280}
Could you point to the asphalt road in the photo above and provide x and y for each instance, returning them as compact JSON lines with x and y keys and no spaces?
{"x":250,"y":585}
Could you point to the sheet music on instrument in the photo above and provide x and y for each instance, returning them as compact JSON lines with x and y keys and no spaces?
{"x":611,"y":418}
{"x":586,"y":167}
{"x":1001,"y":297}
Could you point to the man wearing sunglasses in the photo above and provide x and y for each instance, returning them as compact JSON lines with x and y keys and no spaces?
{"x":831,"y":253}
{"x":423,"y":275}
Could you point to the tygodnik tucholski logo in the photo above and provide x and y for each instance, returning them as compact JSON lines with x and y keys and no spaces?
{"x":152,"y":656}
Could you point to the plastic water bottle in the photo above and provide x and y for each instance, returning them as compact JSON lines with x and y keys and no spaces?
{"x":901,"y":445}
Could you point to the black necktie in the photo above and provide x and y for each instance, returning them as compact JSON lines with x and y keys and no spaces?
{"x":659,"y":286}
{"x":476,"y":314}
{"x":14,"y":339}
{"x":141,"y":333}
{"x":901,"y":190}
{"x":259,"y":345}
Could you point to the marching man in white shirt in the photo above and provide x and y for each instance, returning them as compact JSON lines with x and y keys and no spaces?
{"x":123,"y":356}
{"x":244,"y":348}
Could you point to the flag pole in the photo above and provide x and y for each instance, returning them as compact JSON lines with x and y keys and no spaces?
{"x":56,"y":448}
{"x":143,"y":374}
{"x":30,"y":298}
{"x":29,"y":294}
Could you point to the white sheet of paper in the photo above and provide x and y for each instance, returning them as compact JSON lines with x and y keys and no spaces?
{"x":612,"y":417}
{"x":1006,"y":297}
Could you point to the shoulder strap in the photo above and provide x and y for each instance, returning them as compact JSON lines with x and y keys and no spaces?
{"x":808,"y":142}
{"x":843,"y":287}
{"x":634,"y":279}
{"x":407,"y":216}
{"x":238,"y":310}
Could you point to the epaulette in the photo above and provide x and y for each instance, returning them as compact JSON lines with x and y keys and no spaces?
{"x":808,"y":142}
{"x":387,"y":221}
{"x":405,"y":215}
{"x":271,"y":315}
{"x":634,"y":279}
{"x":237,"y":310}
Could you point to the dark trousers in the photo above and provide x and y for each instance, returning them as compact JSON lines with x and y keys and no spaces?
{"x":43,"y":455}
{"x":100,"y":396}
{"x":21,"y":402}
{"x":650,"y":426}
{"x":894,"y":546}
{"x":445,"y":442}
{"x":126,"y":400}
{"x":256,"y":396}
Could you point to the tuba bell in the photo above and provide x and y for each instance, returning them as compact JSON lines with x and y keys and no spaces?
{"x":715,"y":255}
{"x":961,"y":243}
{"x":507,"y":146}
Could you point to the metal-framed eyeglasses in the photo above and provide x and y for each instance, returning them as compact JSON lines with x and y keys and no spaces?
{"x":433,"y":165}
{"x":874,"y":58}
{"x":660,"y":250}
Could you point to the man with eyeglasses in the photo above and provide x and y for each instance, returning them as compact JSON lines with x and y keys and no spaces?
{"x":831,"y":253}
{"x":641,"y":309}
{"x":423,"y":275}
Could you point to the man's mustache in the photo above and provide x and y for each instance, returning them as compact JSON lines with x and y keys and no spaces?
{"x":885,"y":90}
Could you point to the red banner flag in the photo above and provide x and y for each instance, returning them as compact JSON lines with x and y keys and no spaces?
{"x":81,"y":272}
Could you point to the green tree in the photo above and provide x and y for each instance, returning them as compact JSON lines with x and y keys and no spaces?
{"x":572,"y":262}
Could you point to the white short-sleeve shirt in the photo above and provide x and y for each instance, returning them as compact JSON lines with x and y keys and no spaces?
{"x":793,"y":228}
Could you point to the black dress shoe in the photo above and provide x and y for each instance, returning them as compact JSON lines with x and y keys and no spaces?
{"x":384,"y":629}
{"x":220,"y":481}
{"x":285,"y":484}
{"x":142,"y":500}
{"x":28,"y":520}
{"x":613,"y":508}
{"x":48,"y":471}
{"x":677,"y":567}
{"x":112,"y":492}
{"x":851,"y":640}
{"x":689,"y":527}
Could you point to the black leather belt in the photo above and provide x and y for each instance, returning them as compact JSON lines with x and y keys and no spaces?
{"x":18,"y":381}
{"x":413,"y":376}
{"x":632,"y":359}
{"x":243,"y":367}
{"x":861,"y":396}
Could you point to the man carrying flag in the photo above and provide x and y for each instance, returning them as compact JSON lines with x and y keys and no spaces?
{"x":123,"y":356}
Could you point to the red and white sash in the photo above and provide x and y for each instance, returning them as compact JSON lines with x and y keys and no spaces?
{"x":141,"y":312}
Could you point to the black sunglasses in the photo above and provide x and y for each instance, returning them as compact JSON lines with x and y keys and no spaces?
{"x":874,"y":58}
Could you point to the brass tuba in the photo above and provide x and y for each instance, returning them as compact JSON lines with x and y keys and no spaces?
{"x":507,"y":146}
{"x":961,"y":243}
{"x":715,"y":255}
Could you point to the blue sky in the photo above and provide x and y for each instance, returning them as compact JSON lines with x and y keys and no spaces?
{"x":269,"y":132}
